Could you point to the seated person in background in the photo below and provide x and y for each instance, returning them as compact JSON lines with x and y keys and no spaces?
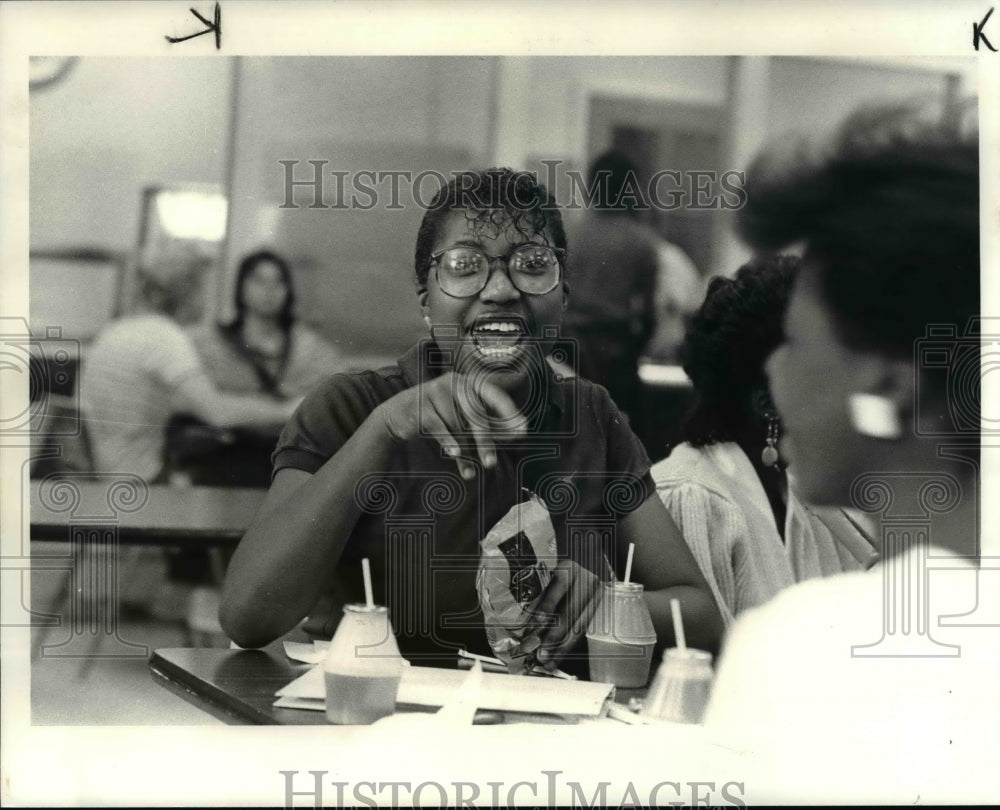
{"x":611,"y":315}
{"x":881,"y":685}
{"x":477,"y":408}
{"x":726,"y":486}
{"x":137,"y":375}
{"x":265,"y":349}
{"x":143,"y":368}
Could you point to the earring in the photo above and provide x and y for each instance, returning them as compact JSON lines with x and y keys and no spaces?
{"x":427,"y":320}
{"x":769,"y":455}
{"x":875,"y":416}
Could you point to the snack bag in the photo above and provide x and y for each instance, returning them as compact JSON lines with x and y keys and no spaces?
{"x":515,"y":566}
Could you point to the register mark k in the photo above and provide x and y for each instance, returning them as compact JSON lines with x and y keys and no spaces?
{"x":214,"y":26}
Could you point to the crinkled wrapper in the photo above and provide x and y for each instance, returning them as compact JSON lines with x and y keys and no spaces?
{"x":516,"y":563}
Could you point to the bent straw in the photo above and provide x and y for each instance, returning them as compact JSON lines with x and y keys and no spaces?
{"x":628,"y":563}
{"x":367,"y":572}
{"x":675,"y":612}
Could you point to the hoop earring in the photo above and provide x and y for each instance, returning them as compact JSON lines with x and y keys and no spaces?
{"x":874,"y":416}
{"x":769,"y":455}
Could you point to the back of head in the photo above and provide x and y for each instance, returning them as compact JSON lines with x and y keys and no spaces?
{"x":888,"y":212}
{"x":614,"y":179}
{"x":492,"y":199}
{"x":171,"y":284}
{"x":727,"y":343}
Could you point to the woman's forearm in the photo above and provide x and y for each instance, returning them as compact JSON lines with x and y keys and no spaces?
{"x":292,"y":548}
{"x":703,"y":625}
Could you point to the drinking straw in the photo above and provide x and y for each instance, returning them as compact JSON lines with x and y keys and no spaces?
{"x":367,"y":571}
{"x":675,"y":612}
{"x":628,"y":563}
{"x":484,"y":658}
{"x":555,"y":673}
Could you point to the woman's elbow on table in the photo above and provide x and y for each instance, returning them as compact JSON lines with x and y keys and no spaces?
{"x":243,"y":623}
{"x":706,"y":623}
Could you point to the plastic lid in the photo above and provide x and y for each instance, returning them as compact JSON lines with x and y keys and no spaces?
{"x":624,"y":587}
{"x":688,"y":655}
{"x":361,"y":607}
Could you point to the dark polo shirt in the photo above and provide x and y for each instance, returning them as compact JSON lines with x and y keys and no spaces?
{"x":422,"y":523}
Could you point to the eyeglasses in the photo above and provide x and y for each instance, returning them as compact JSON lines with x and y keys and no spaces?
{"x":462,"y":272}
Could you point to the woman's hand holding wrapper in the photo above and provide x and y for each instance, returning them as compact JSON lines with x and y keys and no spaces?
{"x":570,"y":602}
{"x":536,"y":606}
{"x":466,"y":418}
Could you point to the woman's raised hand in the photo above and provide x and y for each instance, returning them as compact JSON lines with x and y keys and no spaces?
{"x":466,"y":415}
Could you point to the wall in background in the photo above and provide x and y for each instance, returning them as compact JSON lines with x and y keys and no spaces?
{"x":112,"y":127}
{"x":813,"y":96}
{"x":353,"y":268}
{"x":116,"y":125}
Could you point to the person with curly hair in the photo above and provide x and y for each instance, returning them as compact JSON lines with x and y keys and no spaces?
{"x":726,"y":485}
{"x":883,"y":685}
{"x":476,"y":411}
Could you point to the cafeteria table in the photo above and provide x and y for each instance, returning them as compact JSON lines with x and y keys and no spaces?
{"x":140,"y":513}
{"x":567,"y":761}
{"x":238,"y":686}
{"x":96,"y":515}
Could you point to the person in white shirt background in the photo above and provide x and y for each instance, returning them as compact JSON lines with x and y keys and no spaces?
{"x":141,"y":370}
{"x":881,"y":685}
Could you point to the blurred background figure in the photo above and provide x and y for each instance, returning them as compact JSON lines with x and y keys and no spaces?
{"x":726,"y":485}
{"x":143,"y":369}
{"x":614,"y":265}
{"x":265,"y":349}
{"x":139,"y":374}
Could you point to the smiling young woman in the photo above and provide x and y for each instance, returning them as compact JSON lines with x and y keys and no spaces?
{"x":475,"y":411}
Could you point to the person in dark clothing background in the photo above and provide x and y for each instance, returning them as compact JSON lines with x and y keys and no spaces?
{"x":611,"y":313}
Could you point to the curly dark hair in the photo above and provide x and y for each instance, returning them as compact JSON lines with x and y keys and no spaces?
{"x":286,"y":317}
{"x":491,"y":199}
{"x":727,"y":342}
{"x":888,"y":211}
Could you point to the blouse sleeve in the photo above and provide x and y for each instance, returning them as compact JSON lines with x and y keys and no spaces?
{"x":711,"y":526}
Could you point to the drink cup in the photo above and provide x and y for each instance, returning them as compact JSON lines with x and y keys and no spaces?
{"x":681,"y":688}
{"x":621,"y":637}
{"x":362,"y":668}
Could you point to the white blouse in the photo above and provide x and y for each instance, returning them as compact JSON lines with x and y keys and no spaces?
{"x":719,"y":504}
